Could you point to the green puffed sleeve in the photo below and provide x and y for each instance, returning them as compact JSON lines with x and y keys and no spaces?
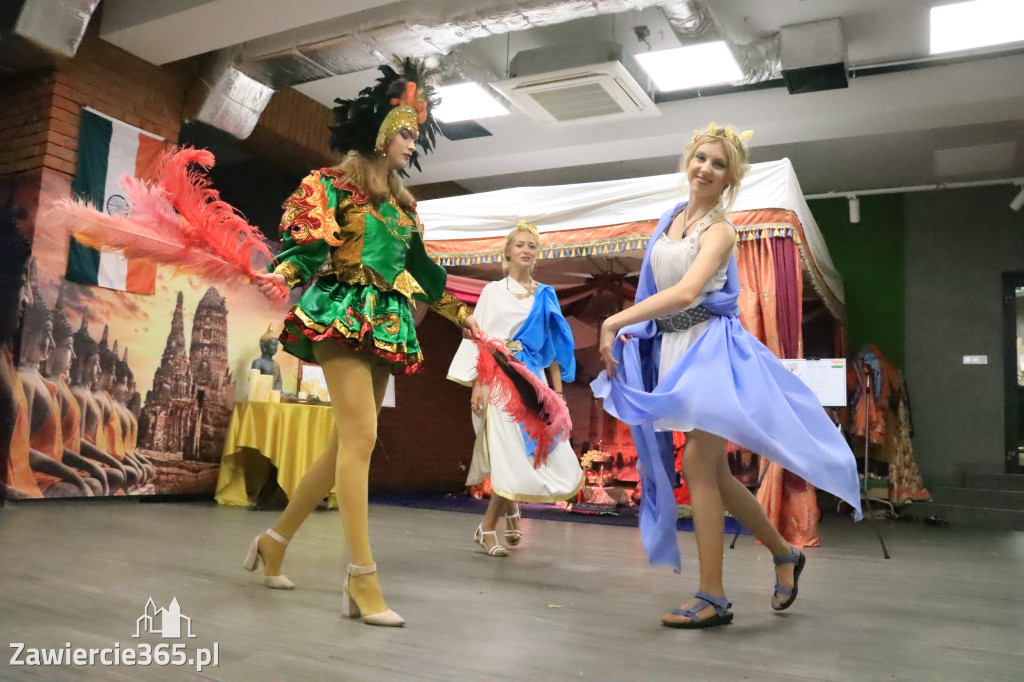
{"x":299,"y":262}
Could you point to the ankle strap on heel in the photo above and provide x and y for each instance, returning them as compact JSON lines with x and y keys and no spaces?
{"x":357,"y":571}
{"x":274,"y":535}
{"x":791,"y":558}
{"x":721,"y":604}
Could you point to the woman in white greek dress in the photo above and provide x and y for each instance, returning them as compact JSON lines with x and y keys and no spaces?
{"x":526,"y":314}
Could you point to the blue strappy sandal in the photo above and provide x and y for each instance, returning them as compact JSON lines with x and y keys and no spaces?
{"x":798,"y":558}
{"x":723,"y":616}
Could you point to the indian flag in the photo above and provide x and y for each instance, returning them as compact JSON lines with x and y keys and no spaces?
{"x":107,"y":149}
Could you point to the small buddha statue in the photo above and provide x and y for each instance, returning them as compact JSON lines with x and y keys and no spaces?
{"x":266,"y":363}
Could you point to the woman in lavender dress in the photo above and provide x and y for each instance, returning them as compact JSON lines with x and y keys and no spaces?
{"x":679,"y":360}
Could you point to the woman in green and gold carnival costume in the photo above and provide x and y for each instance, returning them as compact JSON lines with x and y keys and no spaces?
{"x":352,"y":230}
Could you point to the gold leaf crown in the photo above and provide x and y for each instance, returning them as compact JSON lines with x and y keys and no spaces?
{"x":739,"y":141}
{"x":523,"y":226}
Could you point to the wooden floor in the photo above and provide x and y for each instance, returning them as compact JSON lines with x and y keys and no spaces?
{"x":576,"y":602}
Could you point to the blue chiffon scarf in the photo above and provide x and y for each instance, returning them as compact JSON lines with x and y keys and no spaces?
{"x":546,"y":338}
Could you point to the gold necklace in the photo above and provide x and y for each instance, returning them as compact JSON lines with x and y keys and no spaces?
{"x":521,"y":297}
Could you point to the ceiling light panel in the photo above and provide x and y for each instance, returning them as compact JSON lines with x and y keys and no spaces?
{"x":975,"y":24}
{"x":466,"y":102}
{"x":692,"y":66}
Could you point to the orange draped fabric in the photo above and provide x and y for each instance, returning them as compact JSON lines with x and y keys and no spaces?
{"x":71,"y":417}
{"x":19,"y":473}
{"x":47,"y":437}
{"x":771,"y":282}
{"x":757,"y":302}
{"x":112,"y":430}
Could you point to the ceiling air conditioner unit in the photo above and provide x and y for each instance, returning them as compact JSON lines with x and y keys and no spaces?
{"x":577,"y":84}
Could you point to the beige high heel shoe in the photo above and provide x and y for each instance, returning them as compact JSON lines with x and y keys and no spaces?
{"x":350,"y":609}
{"x":254,"y":558}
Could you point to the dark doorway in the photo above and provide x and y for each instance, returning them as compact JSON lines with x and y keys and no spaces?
{"x":1013,"y":364}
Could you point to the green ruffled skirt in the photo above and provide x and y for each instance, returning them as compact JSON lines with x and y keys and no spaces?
{"x":356,"y":316}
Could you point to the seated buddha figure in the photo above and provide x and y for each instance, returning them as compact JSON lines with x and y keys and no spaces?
{"x":53,"y":476}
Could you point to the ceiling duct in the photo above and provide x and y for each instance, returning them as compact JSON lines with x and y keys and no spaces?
{"x":426,"y":28}
{"x":589,"y":83}
{"x":34,"y":32}
{"x":57,"y":26}
{"x":694,"y":21}
{"x":813,"y":56}
{"x":227,"y":99}
{"x":760,"y":60}
{"x":690,"y":20}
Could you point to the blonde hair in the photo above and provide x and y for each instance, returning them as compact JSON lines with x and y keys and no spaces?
{"x":360,"y":172}
{"x":736,"y":154}
{"x":522,"y":226}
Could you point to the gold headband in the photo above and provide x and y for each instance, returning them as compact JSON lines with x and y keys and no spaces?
{"x":739,"y":141}
{"x":400,"y":118}
{"x":524,"y":226}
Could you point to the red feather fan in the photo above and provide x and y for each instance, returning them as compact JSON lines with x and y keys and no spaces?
{"x":523,"y":395}
{"x":180,"y":221}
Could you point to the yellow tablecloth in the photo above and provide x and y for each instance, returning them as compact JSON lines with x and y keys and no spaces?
{"x":288,"y":436}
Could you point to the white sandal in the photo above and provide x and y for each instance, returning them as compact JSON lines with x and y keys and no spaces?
{"x":513,"y":536}
{"x":480,"y":534}
{"x":254,"y":558}
{"x":350,"y":609}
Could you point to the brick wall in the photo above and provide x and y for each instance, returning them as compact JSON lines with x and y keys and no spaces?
{"x":24,"y":123}
{"x":39,"y":122}
{"x":297,"y":123}
{"x":120,"y":85}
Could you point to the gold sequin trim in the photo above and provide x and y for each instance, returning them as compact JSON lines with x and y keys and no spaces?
{"x":391,"y":320}
{"x":406,"y":284}
{"x":400,"y":118}
{"x":451,"y":308}
{"x":358,"y":273}
{"x":292,"y":277}
{"x":307,"y":216}
{"x":354,"y":215}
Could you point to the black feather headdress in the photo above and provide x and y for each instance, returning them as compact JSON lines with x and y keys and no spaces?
{"x":357,"y":122}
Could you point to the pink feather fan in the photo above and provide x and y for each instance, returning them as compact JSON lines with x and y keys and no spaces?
{"x":179,"y":221}
{"x":523,"y":395}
